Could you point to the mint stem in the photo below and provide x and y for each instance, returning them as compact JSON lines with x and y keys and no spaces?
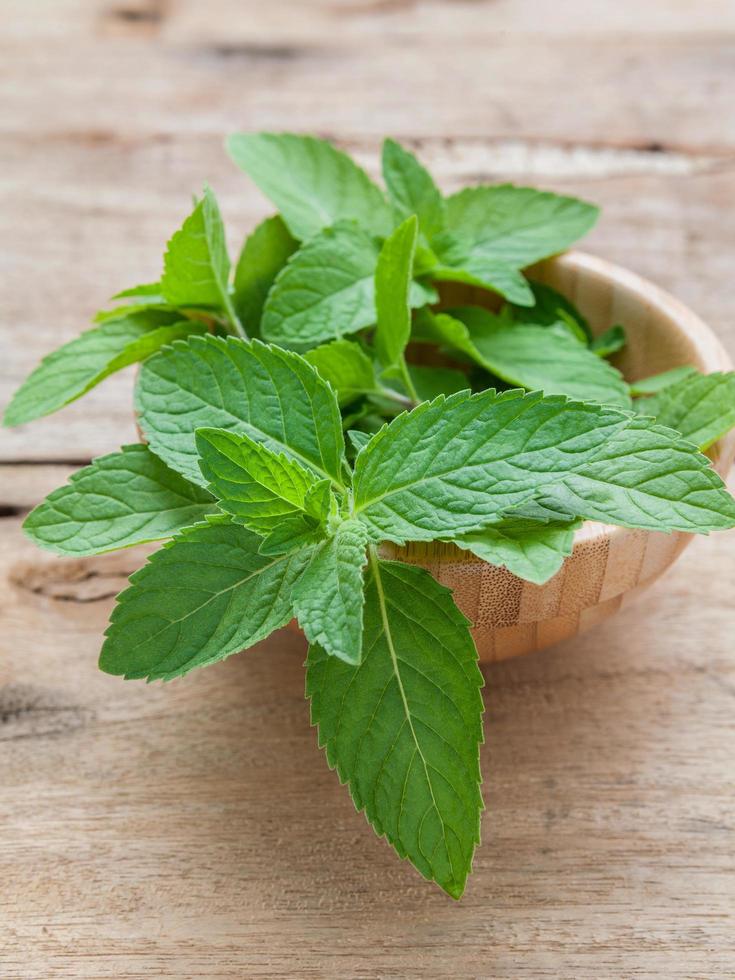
{"x":408,"y":382}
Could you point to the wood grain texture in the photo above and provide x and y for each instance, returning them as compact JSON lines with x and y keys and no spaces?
{"x":192,"y":829}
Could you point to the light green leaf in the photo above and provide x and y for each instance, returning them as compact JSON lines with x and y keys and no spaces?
{"x":147,"y":296}
{"x":403,"y":728}
{"x":347,"y":368}
{"x":540,"y":358}
{"x":532,"y":551}
{"x":458,"y":261}
{"x":203,"y":596}
{"x":701,"y":407}
{"x":432,"y":381}
{"x":313,"y":184}
{"x":392,"y":293}
{"x":263,"y":255}
{"x":609,"y":342}
{"x":270,"y":394}
{"x":646,"y":476}
{"x":254,"y":485}
{"x":144,"y":305}
{"x":117,"y":501}
{"x":149,"y":290}
{"x":657,"y":382}
{"x":328,"y":598}
{"x":196,"y":263}
{"x":551,"y":307}
{"x":411,"y":189}
{"x":72,"y":370}
{"x":453,"y":465}
{"x":326,"y":290}
{"x":518,"y":225}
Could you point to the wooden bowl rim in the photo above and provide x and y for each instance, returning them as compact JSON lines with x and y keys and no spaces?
{"x":713,"y":355}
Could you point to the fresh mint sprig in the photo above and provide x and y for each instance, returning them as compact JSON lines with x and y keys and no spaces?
{"x":320,"y":400}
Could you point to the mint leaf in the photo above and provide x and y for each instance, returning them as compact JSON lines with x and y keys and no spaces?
{"x":291,"y":534}
{"x":325,"y":291}
{"x":547,"y":359}
{"x":517,"y":225}
{"x":404,"y":727}
{"x":263,"y":255}
{"x":411,"y":189}
{"x":147,"y":290}
{"x":358,"y":439}
{"x":657,"y":382}
{"x":392,"y":293}
{"x":72,"y":370}
{"x":700,"y":406}
{"x":454,"y":464}
{"x":206,"y":594}
{"x":313,"y":184}
{"x":328,"y":598}
{"x":429,"y":382}
{"x":609,"y":342}
{"x":117,"y":501}
{"x":151,"y":305}
{"x":532,"y":551}
{"x":196,"y":263}
{"x":646,"y":476}
{"x":270,"y":394}
{"x":347,"y":368}
{"x":550,"y":307}
{"x":457,"y":260}
{"x":256,"y":486}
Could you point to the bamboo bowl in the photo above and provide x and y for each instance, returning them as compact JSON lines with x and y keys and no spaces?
{"x":609,"y":565}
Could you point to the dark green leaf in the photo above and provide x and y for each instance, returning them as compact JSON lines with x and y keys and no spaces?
{"x":403,"y":728}
{"x":263,"y":255}
{"x":205,"y":595}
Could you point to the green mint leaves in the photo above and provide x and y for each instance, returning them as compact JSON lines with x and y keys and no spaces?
{"x":700,"y":407}
{"x":312,"y":184}
{"x":270,"y":394}
{"x":196,"y":264}
{"x":370,"y":406}
{"x":122,"y":499}
{"x":403,"y":728}
{"x":205,"y":595}
{"x":517,"y":225}
{"x":77,"y":367}
{"x":411,"y":190}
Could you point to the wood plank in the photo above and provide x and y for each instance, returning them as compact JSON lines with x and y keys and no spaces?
{"x":193,"y":828}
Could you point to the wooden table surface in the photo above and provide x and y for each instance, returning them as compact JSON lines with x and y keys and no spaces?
{"x":193,"y":829}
